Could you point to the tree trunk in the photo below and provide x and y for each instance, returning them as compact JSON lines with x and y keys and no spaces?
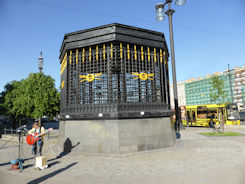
{"x":222,"y":128}
{"x":19,"y":122}
{"x":39,"y":121}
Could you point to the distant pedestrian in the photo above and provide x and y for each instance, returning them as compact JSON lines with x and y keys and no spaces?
{"x":211,"y":123}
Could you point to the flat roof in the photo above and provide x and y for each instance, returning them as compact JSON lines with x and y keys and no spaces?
{"x":113,"y":32}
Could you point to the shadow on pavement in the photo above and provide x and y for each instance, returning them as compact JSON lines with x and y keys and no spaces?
{"x":67,"y":149}
{"x":3,"y":164}
{"x":49,"y":165}
{"x":68,"y":145}
{"x":53,"y":163}
{"x":43,"y":178}
{"x":8,"y":163}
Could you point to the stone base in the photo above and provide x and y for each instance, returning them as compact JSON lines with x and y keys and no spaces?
{"x":116,"y":136}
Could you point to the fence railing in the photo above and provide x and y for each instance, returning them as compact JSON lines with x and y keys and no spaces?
{"x":9,"y":131}
{"x":12,"y":131}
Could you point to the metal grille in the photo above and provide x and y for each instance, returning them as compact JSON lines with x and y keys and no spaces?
{"x":115,"y":77}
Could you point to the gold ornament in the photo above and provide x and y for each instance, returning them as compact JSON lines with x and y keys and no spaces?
{"x":90,"y":77}
{"x":143,"y":76}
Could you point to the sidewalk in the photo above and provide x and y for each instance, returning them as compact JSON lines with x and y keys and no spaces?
{"x":195,"y":159}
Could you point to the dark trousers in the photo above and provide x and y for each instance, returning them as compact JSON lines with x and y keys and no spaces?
{"x":37,"y":148}
{"x":211,"y":123}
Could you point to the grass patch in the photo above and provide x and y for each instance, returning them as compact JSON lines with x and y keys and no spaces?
{"x":221,"y":134}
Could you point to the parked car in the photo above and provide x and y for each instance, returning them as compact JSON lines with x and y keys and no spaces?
{"x":242,"y":116}
{"x":6,"y":122}
{"x":47,"y":120}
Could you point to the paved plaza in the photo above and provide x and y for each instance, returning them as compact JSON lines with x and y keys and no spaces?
{"x":195,"y":159}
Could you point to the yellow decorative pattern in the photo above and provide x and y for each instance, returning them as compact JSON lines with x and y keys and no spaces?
{"x":90,"y":54}
{"x":165,"y":57}
{"x":83,"y":56}
{"x":155,"y":55}
{"x":161,"y":55}
{"x":121,"y":51}
{"x":111,"y":50}
{"x":128,"y":51}
{"x":104,"y":51}
{"x":76,"y":56}
{"x":70,"y":58}
{"x":135,"y":52}
{"x":97,"y":52}
{"x":63,"y":64}
{"x":62,"y":84}
{"x":90,"y":77}
{"x":142,"y":53}
{"x":143,"y":76}
{"x":149,"y":54}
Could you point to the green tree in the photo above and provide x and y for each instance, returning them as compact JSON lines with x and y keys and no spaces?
{"x":218,"y":94}
{"x":41,"y":96}
{"x":32,"y":97}
{"x":7,"y":88}
{"x":12,"y":99}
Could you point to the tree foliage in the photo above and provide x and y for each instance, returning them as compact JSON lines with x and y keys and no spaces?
{"x":7,"y":97}
{"x":217,"y":92}
{"x":41,"y":96}
{"x":11,"y":100}
{"x":7,"y":88}
{"x":32,"y":97}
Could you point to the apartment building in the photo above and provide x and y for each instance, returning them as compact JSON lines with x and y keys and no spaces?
{"x":239,"y":87}
{"x":197,"y":91}
{"x":181,"y":94}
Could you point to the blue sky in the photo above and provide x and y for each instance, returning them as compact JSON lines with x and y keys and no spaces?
{"x":208,"y":34}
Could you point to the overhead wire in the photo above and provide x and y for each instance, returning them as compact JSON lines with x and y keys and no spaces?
{"x":128,"y":18}
{"x":84,"y":11}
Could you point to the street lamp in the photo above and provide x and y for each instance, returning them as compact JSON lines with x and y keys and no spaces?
{"x":180,"y":2}
{"x":40,"y":62}
{"x":160,"y":16}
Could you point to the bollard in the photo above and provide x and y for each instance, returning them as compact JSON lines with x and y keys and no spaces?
{"x":4,"y":131}
{"x":48,"y":135}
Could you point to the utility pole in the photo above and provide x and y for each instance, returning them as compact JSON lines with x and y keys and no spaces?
{"x":229,"y":74}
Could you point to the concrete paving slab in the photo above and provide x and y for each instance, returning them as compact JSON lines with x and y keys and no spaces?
{"x":194,"y":159}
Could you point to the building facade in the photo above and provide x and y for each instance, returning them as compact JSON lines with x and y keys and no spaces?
{"x":239,"y":87}
{"x":197,"y":91}
{"x":181,"y":94}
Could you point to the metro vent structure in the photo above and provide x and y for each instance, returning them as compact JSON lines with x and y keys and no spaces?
{"x":115,"y":90}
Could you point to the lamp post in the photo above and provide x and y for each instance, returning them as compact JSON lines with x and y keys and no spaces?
{"x":40,"y":62}
{"x":160,"y":16}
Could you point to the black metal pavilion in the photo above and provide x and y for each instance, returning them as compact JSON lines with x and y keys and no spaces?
{"x":114,"y":71}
